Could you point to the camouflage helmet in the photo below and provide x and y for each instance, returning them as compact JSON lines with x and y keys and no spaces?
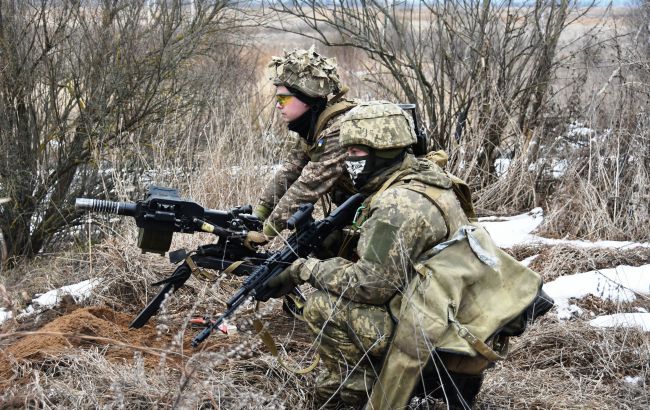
{"x":306,"y":71}
{"x":381,"y":125}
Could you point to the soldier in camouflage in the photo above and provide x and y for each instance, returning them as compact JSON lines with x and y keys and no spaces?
{"x":355,"y":309}
{"x":315,"y":167}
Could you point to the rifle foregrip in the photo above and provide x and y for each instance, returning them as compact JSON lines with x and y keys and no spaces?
{"x":107,"y":207}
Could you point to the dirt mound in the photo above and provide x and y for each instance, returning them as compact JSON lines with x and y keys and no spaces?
{"x":82,"y":328}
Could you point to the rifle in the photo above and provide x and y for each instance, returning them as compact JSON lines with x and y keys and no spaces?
{"x":162,"y":213}
{"x":308,"y":237}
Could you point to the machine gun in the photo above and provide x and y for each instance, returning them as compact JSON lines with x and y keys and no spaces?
{"x":162,"y":213}
{"x":308,"y":237}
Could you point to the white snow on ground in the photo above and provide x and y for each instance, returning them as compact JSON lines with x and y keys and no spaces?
{"x":79,"y":291}
{"x":619,"y":284}
{"x":4,"y":315}
{"x":501,"y":166}
{"x":516,"y":230}
{"x":512,"y":230}
{"x":641,"y":320}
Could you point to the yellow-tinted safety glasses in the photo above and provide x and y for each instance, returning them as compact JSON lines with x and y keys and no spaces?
{"x":283,"y":99}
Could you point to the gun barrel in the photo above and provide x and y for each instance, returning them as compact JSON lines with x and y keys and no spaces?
{"x":107,"y":207}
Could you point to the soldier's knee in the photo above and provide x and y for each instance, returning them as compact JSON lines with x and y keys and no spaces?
{"x":372,"y":327}
{"x":318,"y":309}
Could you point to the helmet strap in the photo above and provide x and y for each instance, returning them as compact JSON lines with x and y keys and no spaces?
{"x":344,"y":89}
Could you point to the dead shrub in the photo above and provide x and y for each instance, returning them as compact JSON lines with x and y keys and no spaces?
{"x":572,"y":365}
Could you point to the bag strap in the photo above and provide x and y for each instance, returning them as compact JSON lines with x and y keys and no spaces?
{"x":363,"y":209}
{"x":330,"y":112}
{"x":432,"y":194}
{"x":478,"y":345}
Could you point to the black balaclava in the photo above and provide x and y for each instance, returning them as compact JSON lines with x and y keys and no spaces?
{"x":305,"y":124}
{"x":363,"y":168}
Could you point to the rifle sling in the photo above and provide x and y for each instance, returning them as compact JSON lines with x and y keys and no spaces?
{"x":273,"y":348}
{"x":233,"y":267}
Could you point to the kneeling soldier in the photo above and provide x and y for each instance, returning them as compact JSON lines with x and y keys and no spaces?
{"x":356,"y":311}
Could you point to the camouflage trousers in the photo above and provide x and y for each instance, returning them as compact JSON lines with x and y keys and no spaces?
{"x":353,"y":339}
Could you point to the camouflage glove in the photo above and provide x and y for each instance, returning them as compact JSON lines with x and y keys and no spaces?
{"x":262,"y":211}
{"x":291,"y":277}
{"x":271,"y":229}
{"x":255,"y":239}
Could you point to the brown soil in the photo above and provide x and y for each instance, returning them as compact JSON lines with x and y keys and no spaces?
{"x":82,"y":328}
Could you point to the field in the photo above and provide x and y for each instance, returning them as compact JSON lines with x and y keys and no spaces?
{"x":578,"y":148}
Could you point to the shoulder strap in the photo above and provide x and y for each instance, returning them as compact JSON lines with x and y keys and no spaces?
{"x":330,"y":112}
{"x":431,"y":193}
{"x":362,"y":214}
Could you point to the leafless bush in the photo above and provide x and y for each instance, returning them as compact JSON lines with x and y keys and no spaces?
{"x":490,"y":62}
{"x":90,"y":90}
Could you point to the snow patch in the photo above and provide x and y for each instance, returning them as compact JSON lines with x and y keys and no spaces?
{"x":509,"y":231}
{"x":501,"y":166}
{"x":515,"y":230}
{"x":5,"y":315}
{"x":633,"y":379}
{"x":529,"y":260}
{"x":640,"y":320}
{"x":79,"y":292}
{"x":620,"y":284}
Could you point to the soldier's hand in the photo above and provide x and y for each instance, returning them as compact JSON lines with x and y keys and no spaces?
{"x":255,"y":239}
{"x":271,"y":229}
{"x":262,"y":211}
{"x":288,"y":279}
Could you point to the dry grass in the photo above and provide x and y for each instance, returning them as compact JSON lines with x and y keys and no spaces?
{"x":572,"y":365}
{"x":560,"y":260}
{"x":98,"y":362}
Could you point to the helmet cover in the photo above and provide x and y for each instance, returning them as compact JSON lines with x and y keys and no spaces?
{"x":381,"y":125}
{"x":306,"y":71}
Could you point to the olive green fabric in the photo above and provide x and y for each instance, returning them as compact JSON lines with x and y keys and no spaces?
{"x":466,"y":285}
{"x":262,"y":211}
{"x":461,"y":189}
{"x":349,"y":315}
{"x":471,"y":281}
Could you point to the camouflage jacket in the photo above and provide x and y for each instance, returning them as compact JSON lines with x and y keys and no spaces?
{"x":400,"y":225}
{"x":309,"y":172}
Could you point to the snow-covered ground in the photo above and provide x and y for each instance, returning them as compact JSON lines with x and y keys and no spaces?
{"x":619,"y":284}
{"x":79,"y":291}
